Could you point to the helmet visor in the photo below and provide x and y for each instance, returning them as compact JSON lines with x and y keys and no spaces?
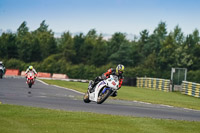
{"x":120,"y":72}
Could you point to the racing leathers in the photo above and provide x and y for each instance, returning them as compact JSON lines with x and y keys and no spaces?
{"x":33,"y":70}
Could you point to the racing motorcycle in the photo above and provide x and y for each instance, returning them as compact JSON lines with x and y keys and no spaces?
{"x":2,"y":70}
{"x":102,"y":90}
{"x":30,"y":79}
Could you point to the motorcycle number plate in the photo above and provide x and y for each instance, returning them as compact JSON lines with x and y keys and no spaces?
{"x":113,"y":83}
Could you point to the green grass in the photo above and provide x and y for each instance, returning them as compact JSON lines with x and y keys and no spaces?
{"x":140,"y":94}
{"x":20,"y":119}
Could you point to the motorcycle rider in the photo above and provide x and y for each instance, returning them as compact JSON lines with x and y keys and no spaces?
{"x":118,"y":72}
{"x":3,"y":67}
{"x":30,"y":69}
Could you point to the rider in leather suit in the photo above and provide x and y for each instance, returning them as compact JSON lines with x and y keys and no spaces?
{"x":118,"y":71}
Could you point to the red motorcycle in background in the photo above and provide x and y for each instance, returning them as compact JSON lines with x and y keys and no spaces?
{"x":30,"y":79}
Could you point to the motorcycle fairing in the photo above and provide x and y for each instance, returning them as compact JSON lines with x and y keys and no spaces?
{"x":94,"y":95}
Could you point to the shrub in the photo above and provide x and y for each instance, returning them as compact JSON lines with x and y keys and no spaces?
{"x":193,"y":76}
{"x":14,"y":64}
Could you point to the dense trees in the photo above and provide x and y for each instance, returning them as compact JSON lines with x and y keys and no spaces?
{"x":85,"y":56}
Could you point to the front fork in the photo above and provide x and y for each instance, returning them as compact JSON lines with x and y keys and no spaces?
{"x":105,"y":89}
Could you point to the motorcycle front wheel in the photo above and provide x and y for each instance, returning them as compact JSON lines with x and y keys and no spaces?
{"x":1,"y":74}
{"x":86,"y":97}
{"x":30,"y":85}
{"x":103,"y":96}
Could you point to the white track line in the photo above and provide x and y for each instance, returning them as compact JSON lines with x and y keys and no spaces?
{"x":42,"y":82}
{"x":61,"y":87}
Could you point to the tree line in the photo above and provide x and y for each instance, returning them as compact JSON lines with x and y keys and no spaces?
{"x":86,"y":56}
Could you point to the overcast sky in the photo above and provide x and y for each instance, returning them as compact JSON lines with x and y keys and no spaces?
{"x":106,"y":16}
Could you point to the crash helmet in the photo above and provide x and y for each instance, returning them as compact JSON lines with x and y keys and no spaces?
{"x":119,"y":69}
{"x":30,"y":67}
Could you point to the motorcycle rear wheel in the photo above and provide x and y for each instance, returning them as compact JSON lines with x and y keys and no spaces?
{"x":102,"y":97}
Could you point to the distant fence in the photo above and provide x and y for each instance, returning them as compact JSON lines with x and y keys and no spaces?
{"x":191,"y":89}
{"x":129,"y":81}
{"x":45,"y":75}
{"x":12,"y":72}
{"x":16,"y":72}
{"x":59,"y":76}
{"x":154,"y":83}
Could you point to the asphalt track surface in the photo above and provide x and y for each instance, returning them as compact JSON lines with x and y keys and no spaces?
{"x":15,"y":91}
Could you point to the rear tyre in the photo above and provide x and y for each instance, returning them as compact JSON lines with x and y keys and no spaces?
{"x":102,"y":97}
{"x":86,"y":97}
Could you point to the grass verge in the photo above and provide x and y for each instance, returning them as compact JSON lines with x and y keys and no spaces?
{"x":22,"y":119}
{"x":140,"y":94}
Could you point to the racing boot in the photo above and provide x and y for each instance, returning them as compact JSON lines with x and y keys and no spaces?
{"x":114,"y":94}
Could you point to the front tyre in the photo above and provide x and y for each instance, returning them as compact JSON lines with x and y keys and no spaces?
{"x":30,"y":85}
{"x":103,"y":96}
{"x":1,"y":74}
{"x":86,"y":97}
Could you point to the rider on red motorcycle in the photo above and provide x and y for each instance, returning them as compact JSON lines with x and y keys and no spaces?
{"x":30,"y":69}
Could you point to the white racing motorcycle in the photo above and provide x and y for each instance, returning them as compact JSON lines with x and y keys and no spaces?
{"x":102,"y":90}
